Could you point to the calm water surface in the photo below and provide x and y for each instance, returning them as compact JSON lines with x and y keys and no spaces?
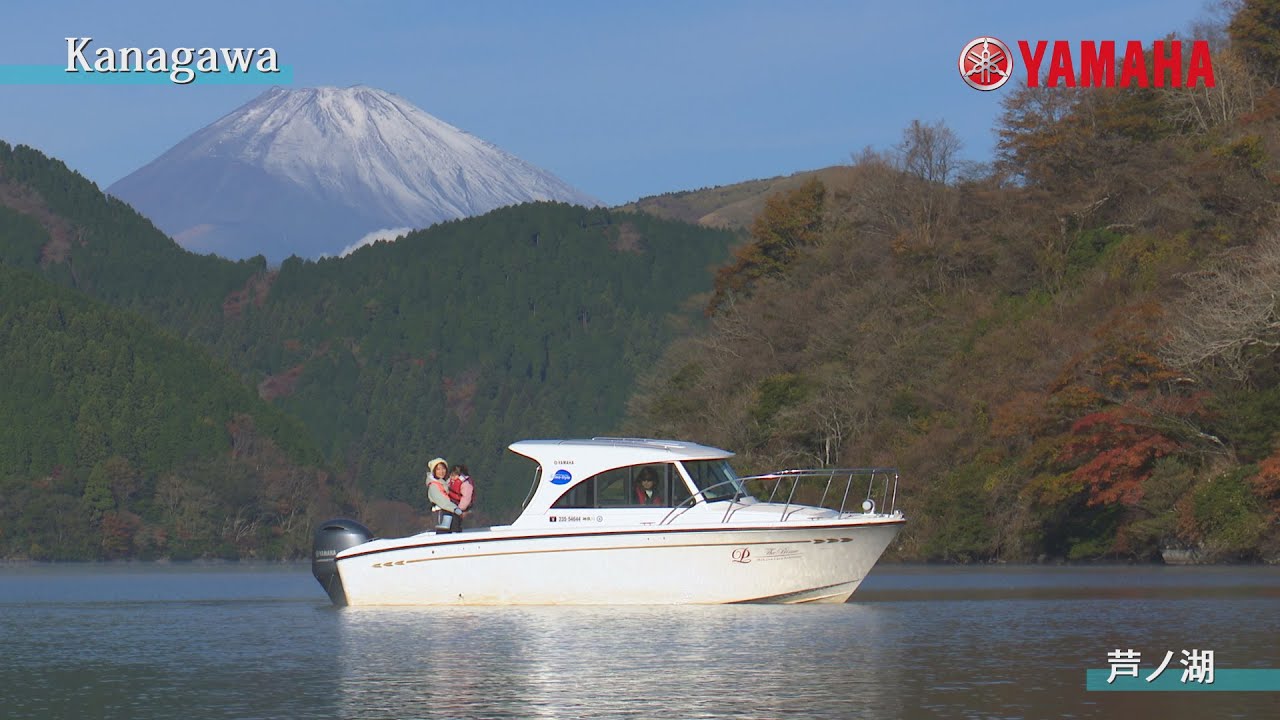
{"x":235,"y":641}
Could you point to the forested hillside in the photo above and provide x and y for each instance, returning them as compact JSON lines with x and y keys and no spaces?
{"x":532,"y":321}
{"x":121,"y":440}
{"x":1070,"y":356}
{"x":54,"y":221}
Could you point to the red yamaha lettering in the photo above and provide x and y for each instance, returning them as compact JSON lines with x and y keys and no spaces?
{"x":1098,"y":64}
{"x":1201,"y":69}
{"x":1135,"y":65}
{"x":1032,"y":61}
{"x":1060,"y":67}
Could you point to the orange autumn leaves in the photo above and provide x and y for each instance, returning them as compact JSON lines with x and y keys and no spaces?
{"x":1114,"y":411}
{"x":1117,"y":448}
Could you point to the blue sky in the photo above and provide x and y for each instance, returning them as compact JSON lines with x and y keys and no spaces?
{"x":621,"y":100}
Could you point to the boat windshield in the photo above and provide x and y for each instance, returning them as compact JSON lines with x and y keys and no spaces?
{"x":715,"y":479}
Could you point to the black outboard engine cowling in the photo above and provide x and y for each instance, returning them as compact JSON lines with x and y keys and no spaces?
{"x":332,"y":537}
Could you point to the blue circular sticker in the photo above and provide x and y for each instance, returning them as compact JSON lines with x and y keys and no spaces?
{"x":562,"y":477}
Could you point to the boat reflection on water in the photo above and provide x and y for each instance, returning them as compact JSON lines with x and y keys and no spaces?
{"x":653,"y":661}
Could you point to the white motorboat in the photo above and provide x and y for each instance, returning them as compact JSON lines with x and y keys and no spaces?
{"x":633,"y":521}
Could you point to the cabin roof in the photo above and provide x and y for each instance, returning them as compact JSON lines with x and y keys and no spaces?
{"x":614,"y":451}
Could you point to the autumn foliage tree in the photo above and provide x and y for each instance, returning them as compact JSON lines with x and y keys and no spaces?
{"x":1117,"y":449}
{"x":1266,"y":485}
{"x":789,"y":221}
{"x":1255,"y":31}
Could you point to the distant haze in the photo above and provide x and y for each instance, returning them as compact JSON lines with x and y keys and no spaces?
{"x":312,"y":171}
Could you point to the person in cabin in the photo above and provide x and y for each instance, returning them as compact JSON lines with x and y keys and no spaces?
{"x":646,"y":488}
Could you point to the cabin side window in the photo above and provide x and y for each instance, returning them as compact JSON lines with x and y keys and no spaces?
{"x":635,"y":486}
{"x":611,"y":488}
{"x":582,"y":495}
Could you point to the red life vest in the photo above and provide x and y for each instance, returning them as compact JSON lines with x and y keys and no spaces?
{"x":643,"y":499}
{"x":454,"y":489}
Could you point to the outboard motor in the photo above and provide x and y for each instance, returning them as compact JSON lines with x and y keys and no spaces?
{"x":332,"y":537}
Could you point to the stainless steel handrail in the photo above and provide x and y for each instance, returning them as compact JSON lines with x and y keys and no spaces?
{"x":882,"y":491}
{"x":701,"y":497}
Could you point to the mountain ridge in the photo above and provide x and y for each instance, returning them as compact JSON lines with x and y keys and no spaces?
{"x":732,"y":206}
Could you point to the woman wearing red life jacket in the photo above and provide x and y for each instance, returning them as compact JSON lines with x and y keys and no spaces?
{"x":438,"y":482}
{"x":647,"y":488}
{"x":451,"y":492}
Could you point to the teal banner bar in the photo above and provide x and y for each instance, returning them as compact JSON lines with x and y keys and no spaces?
{"x":58,"y":75}
{"x":1224,"y":680}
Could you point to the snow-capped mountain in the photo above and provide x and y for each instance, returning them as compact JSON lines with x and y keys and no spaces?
{"x":310,"y":171}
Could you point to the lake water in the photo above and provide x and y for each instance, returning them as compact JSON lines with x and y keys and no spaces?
{"x":261,"y":641}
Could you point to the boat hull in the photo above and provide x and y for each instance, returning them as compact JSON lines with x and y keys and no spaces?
{"x":782,"y":563}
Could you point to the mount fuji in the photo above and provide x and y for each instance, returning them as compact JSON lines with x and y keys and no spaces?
{"x":307,"y":172}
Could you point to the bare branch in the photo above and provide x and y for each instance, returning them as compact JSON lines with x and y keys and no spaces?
{"x":1231,"y":311}
{"x":1235,"y":92}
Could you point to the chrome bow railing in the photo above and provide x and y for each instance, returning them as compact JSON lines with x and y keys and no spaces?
{"x":794,"y":490}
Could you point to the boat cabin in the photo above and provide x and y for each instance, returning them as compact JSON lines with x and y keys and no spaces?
{"x":610,"y":474}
